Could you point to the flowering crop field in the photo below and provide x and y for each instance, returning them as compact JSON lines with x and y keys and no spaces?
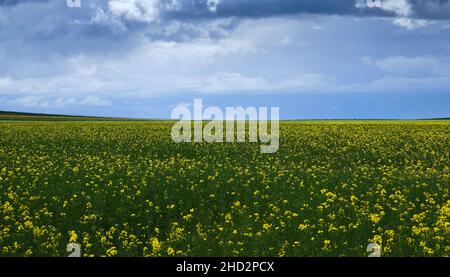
{"x":125,"y":189}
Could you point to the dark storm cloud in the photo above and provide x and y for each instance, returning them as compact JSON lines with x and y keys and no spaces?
{"x":431,"y":9}
{"x":194,"y":9}
{"x":264,"y":8}
{"x":424,"y":9}
{"x":15,"y":2}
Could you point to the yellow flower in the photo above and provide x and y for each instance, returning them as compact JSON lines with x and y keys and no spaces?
{"x":302,"y":227}
{"x":170,"y":251}
{"x":326,"y":244}
{"x":73,"y":236}
{"x":266,"y":226}
{"x":377,"y":239}
{"x":353,"y":198}
{"x":375,"y":218}
{"x":111,"y":252}
{"x":228,"y":217}
{"x":28,"y":224}
{"x":156,"y":245}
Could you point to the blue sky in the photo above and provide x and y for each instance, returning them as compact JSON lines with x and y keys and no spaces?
{"x":312,"y":58}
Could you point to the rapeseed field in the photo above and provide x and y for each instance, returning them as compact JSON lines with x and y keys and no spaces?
{"x":125,"y":189}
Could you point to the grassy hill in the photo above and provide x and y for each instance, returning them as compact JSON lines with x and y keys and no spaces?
{"x":6,"y":115}
{"x":20,"y":116}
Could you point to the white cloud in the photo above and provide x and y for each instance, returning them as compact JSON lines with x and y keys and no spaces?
{"x":212,"y":5}
{"x":135,"y":10}
{"x":103,"y":18}
{"x":63,"y":102}
{"x":181,"y":105}
{"x":5,"y":82}
{"x":160,"y":67}
{"x":198,"y":52}
{"x":400,"y":7}
{"x":317,"y":27}
{"x":42,"y":102}
{"x":172,"y":5}
{"x":397,"y":84}
{"x":224,"y":82}
{"x":46,"y":101}
{"x":151,"y":68}
{"x":287,"y":41}
{"x":95,"y":101}
{"x":308,"y":82}
{"x":402,"y":65}
{"x":29,"y":101}
{"x":251,"y":58}
{"x":410,"y":23}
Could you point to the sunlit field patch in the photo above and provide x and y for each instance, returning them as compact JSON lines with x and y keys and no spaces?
{"x":126,"y":189}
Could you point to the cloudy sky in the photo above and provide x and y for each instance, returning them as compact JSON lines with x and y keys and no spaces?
{"x":312,"y":58}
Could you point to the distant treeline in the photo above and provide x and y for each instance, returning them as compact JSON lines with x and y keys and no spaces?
{"x":7,"y":115}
